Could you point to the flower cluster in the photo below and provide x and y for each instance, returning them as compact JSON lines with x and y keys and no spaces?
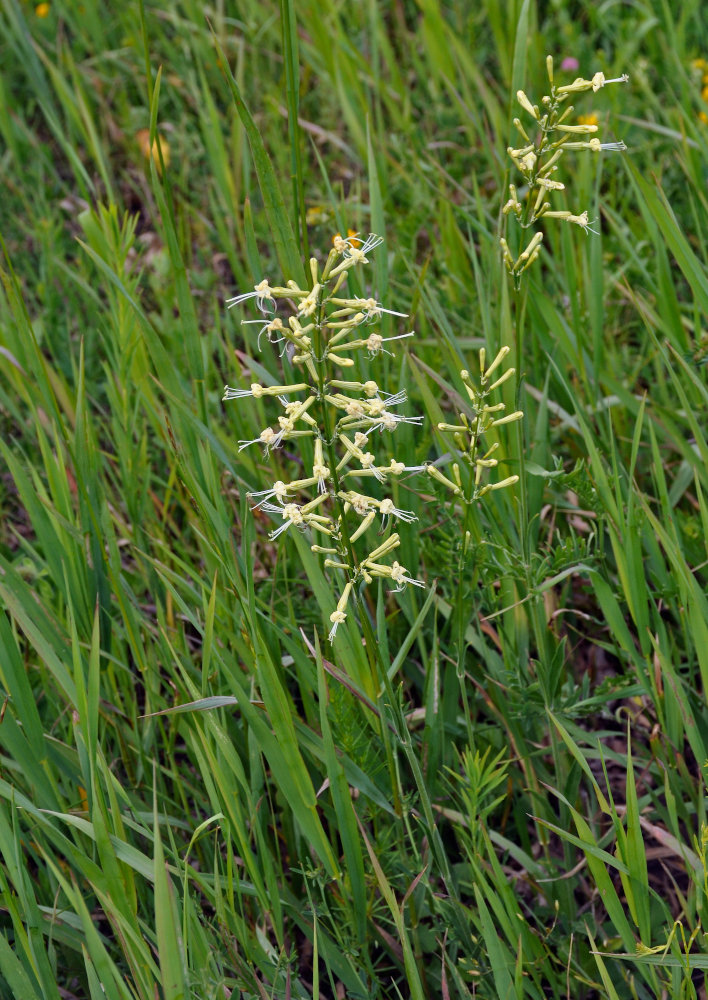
{"x":335,"y":419}
{"x":700,"y":68}
{"x":468,"y":433}
{"x":538,"y":157}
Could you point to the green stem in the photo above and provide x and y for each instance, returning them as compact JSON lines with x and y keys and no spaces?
{"x":523,"y":519}
{"x":379,"y":671}
{"x":461,"y":624}
{"x":406,"y":745}
{"x":379,"y":674}
{"x":325,"y":423}
{"x":319,"y":344}
{"x":520,"y":312}
{"x":292,"y":87}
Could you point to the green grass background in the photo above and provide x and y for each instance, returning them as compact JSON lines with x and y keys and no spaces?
{"x":520,"y":813}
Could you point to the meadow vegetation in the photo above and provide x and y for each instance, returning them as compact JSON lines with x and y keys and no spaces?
{"x":500,"y":793}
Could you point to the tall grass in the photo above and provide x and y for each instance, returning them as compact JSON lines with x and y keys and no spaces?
{"x":198,"y":796}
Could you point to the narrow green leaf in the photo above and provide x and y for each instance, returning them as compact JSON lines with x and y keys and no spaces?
{"x":16,"y":975}
{"x":286,"y":759}
{"x":169,"y":943}
{"x":602,"y":969}
{"x":636,"y":853}
{"x":413,"y":976}
{"x":581,"y":760}
{"x":673,"y":233}
{"x":343,"y":806}
{"x":286,"y":247}
{"x":413,"y":633}
{"x":500,"y":958}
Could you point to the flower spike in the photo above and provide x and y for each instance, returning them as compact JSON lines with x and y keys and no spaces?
{"x":539,"y":158}
{"x":339,"y":415}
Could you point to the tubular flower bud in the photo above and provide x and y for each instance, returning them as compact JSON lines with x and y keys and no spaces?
{"x":520,"y":129}
{"x":391,"y":543}
{"x":535,"y":242}
{"x":577,"y":129}
{"x":338,"y":360}
{"x":503,"y":351}
{"x":437,"y":474}
{"x":526,"y":104}
{"x":508,"y":419}
{"x":468,"y":434}
{"x":510,"y":481}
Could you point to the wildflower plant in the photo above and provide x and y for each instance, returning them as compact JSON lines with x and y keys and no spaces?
{"x":468,"y":435}
{"x":342,"y":418}
{"x":699,"y":68}
{"x":538,"y":160}
{"x":474,"y":457}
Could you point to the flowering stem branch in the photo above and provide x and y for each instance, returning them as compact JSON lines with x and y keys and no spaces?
{"x":328,"y":434}
{"x":468,"y":436}
{"x":338,"y":415}
{"x":379,"y":674}
{"x":520,"y":301}
{"x":372,"y":647}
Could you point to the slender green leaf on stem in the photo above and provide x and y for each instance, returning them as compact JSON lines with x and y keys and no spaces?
{"x":286,"y":247}
{"x":16,"y":975}
{"x":169,"y":944}
{"x":607,"y":981}
{"x":518,"y":70}
{"x":412,"y":635}
{"x":414,"y":983}
{"x":344,"y":807}
{"x":288,"y":19}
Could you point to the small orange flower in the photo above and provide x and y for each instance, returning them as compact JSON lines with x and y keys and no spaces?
{"x":589,"y":119}
{"x":317,"y":214}
{"x":42,"y":10}
{"x":351,"y":236}
{"x":703,"y":117}
{"x":142,"y":137}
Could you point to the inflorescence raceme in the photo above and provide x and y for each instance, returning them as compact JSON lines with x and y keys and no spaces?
{"x":538,"y":157}
{"x":346,"y":494}
{"x":340,"y":418}
{"x":468,"y":434}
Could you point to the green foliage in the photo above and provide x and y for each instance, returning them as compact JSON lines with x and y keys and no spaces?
{"x":198,"y":798}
